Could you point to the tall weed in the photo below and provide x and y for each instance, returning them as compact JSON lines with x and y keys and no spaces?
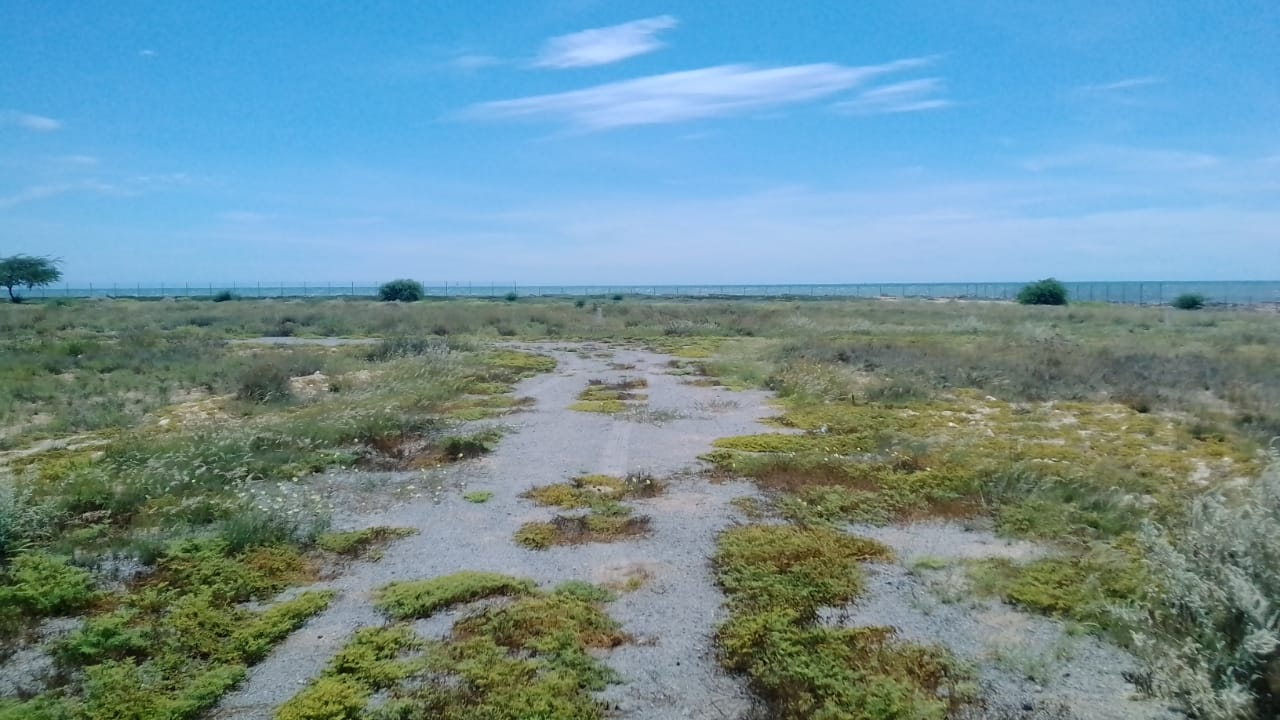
{"x":1210,"y":632}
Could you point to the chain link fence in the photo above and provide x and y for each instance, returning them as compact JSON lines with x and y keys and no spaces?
{"x":1131,"y":293}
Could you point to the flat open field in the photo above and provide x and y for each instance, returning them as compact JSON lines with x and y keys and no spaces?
{"x":853,"y":510}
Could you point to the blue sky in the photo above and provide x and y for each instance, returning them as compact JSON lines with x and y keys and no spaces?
{"x":573,"y":141}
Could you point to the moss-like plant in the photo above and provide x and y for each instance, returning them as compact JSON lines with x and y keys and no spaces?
{"x":776,"y":578}
{"x":422,"y":598}
{"x":355,"y":543}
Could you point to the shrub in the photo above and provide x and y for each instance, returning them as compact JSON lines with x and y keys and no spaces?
{"x":45,"y":585}
{"x":511,"y":296}
{"x":225,"y":296}
{"x":403,"y":290}
{"x":1189,"y":301}
{"x":263,"y":382}
{"x":22,"y":519}
{"x":1044,"y":292}
{"x":1211,"y":634}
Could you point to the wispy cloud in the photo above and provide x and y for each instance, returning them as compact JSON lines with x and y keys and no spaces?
{"x":601,"y":46}
{"x":41,"y":192}
{"x":903,"y":97}
{"x":473,"y":61}
{"x":36,"y":123}
{"x":690,"y":95}
{"x":1125,"y":159}
{"x":147,"y":53}
{"x":1121,"y":85}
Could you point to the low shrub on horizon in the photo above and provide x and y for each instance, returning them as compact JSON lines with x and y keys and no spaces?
{"x":1189,"y":301}
{"x":402,"y":290}
{"x":1044,"y":292}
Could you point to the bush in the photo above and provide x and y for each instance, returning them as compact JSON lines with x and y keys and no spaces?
{"x":225,"y":296}
{"x":1044,"y":292}
{"x":1189,"y":301}
{"x":403,"y":290}
{"x":263,"y":382}
{"x":22,"y":519}
{"x":1211,"y":635}
{"x":512,"y":296}
{"x":44,"y":585}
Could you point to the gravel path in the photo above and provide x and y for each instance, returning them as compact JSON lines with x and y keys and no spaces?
{"x":670,"y":671}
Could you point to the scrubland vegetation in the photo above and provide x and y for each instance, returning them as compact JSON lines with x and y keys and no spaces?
{"x":1131,"y":442}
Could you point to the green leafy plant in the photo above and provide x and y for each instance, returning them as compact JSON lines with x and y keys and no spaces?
{"x":265,"y":381}
{"x":403,"y":290}
{"x":1189,"y":301}
{"x":1044,"y":292}
{"x":43,"y":585}
{"x":1210,"y":631}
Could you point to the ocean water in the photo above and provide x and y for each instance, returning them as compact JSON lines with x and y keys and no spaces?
{"x":1135,"y":292}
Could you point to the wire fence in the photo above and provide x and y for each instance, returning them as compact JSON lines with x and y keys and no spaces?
{"x":1133,"y":293}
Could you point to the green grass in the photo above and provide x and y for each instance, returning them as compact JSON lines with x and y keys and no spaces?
{"x":479,"y":497}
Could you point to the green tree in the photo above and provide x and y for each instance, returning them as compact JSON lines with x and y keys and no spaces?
{"x":1189,"y":301}
{"x":403,"y":290}
{"x":27,"y":271}
{"x":1044,"y":292}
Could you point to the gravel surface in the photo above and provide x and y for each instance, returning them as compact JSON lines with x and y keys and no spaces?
{"x":670,"y":672}
{"x":1029,"y":667}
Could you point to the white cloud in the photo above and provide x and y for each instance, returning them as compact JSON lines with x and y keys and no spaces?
{"x":601,"y":46}
{"x":36,"y":123}
{"x":474,"y":62}
{"x":691,"y":94}
{"x":1121,"y":85}
{"x":41,"y":192}
{"x":1124,"y":158}
{"x":147,"y":53}
{"x":909,"y":96}
{"x":78,"y":160}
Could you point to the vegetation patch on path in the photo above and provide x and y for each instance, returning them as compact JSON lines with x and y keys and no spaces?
{"x":533,"y":657}
{"x":589,"y":491}
{"x":611,"y":397}
{"x":776,"y":578}
{"x":414,"y":599}
{"x":366,"y":544}
{"x":606,"y":519}
{"x":174,"y":644}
